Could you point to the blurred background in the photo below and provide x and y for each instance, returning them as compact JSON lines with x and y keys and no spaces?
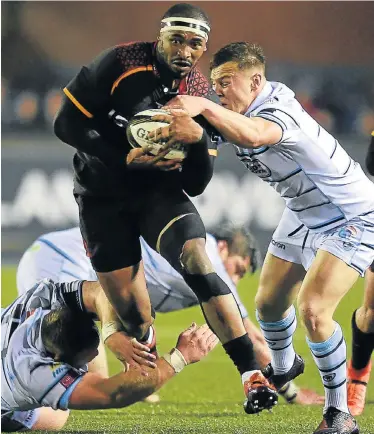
{"x":322,"y":50}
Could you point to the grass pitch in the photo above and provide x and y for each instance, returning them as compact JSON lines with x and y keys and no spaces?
{"x":207,"y":397}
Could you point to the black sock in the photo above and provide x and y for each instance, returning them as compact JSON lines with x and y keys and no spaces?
{"x":362,"y":346}
{"x":242,"y":354}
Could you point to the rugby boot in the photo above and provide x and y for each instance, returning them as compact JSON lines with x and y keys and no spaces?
{"x":261,"y":395}
{"x":337,"y":422}
{"x":281,"y":380}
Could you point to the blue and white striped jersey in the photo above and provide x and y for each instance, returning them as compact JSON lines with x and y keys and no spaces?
{"x":318,"y":180}
{"x":30,"y":378}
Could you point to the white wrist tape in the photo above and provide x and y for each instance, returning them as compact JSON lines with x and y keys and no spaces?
{"x":175,"y":359}
{"x":109,"y":328}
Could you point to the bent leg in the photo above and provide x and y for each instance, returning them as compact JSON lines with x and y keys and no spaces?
{"x":325,"y":284}
{"x":359,"y":368}
{"x":279,"y":284}
{"x":126,"y":290}
{"x":110,"y":232}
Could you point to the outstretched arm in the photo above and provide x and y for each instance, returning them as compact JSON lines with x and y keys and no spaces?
{"x":234,"y":127}
{"x":126,"y":388}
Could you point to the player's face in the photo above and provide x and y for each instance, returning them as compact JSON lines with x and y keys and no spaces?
{"x":180,"y":51}
{"x":233,"y":86}
{"x":237,"y":266}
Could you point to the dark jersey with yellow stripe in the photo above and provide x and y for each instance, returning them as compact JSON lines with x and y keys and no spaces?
{"x":125,"y":79}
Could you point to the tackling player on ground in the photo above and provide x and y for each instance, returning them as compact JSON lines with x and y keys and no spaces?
{"x":359,"y":367}
{"x":48,"y":337}
{"x":61,"y":257}
{"x":327,"y":227}
{"x":119,"y":203}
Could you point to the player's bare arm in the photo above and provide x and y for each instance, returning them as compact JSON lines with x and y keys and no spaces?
{"x":126,"y":388}
{"x":234,"y":127}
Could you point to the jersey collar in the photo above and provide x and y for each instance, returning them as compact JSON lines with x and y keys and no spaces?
{"x":263,"y":96}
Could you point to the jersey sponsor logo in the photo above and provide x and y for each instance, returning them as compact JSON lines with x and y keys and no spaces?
{"x":278,"y":245}
{"x":68,"y":379}
{"x":57,"y":369}
{"x":329,"y":377}
{"x":258,"y":168}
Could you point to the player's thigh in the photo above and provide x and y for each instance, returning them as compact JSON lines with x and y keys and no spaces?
{"x":284,"y":265}
{"x":328,"y":279}
{"x":170,"y":220}
{"x":110,"y":232}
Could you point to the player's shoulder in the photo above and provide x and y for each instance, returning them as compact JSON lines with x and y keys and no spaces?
{"x":198,"y":84}
{"x":280,"y":106}
{"x":135,"y":54}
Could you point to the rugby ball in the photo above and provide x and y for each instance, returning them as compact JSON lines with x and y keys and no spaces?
{"x":141,"y":124}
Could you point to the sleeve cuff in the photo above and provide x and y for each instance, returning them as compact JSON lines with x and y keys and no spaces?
{"x":64,"y":400}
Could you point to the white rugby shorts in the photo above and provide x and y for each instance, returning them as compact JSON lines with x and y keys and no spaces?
{"x":352,"y":242}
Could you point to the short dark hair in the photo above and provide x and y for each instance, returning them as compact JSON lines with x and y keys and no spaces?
{"x":186,"y":10}
{"x":241,"y":242}
{"x":69,"y":332}
{"x":245,"y":54}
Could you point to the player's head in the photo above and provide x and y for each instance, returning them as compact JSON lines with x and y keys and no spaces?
{"x":183,"y":37}
{"x":237,"y":72}
{"x":238,"y":250}
{"x":70,"y":337}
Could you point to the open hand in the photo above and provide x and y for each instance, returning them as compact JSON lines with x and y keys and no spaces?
{"x":182,"y":129}
{"x":130,"y":352}
{"x":196,"y":342}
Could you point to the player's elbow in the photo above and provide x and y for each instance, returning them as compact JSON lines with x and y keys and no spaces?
{"x":194,"y":189}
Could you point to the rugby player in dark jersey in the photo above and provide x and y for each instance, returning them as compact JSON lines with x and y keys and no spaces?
{"x":118,"y":201}
{"x":359,"y":367}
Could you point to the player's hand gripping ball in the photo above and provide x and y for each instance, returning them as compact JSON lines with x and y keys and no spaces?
{"x":137,"y":134}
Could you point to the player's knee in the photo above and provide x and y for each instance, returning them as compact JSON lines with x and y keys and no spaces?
{"x":183,"y":244}
{"x":312,"y":315}
{"x":367,"y":313}
{"x":266,"y":307}
{"x":194,"y":258}
{"x":206,"y":286}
